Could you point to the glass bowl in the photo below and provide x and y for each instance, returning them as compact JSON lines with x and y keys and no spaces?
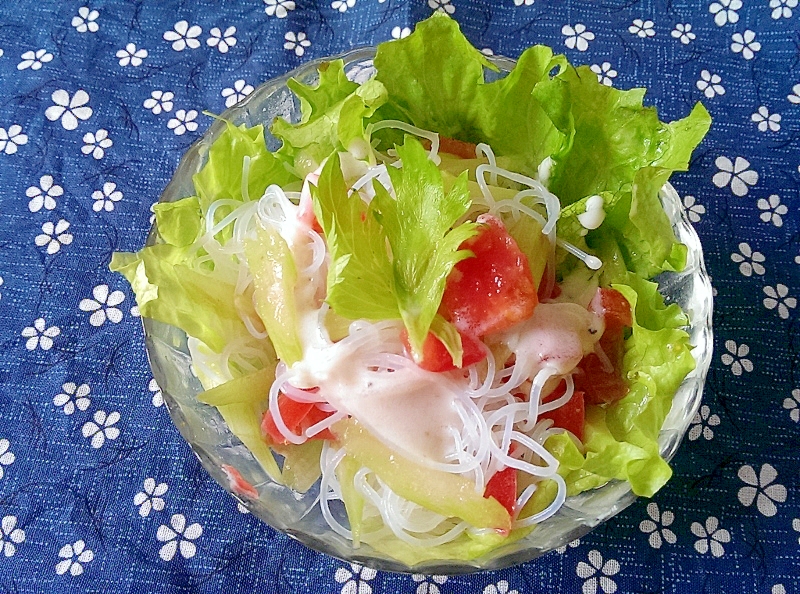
{"x":296,"y":514}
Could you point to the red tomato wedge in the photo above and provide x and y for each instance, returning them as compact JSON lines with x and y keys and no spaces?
{"x":297,"y":416}
{"x":458,"y":148}
{"x":503,"y":487}
{"x":238,"y":485}
{"x":493,"y":290}
{"x":600,"y":383}
{"x":613,"y":307}
{"x":570,"y":416}
{"x":436,"y":358}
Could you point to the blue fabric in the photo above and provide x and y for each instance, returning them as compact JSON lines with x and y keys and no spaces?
{"x":96,"y":485}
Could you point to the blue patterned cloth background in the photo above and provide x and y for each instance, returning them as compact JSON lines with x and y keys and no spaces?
{"x":99,"y":99}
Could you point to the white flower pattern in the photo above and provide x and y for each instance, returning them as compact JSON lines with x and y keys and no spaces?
{"x":773,"y":210}
{"x":74,"y":556}
{"x":96,"y":143}
{"x":750,"y":262}
{"x":355,"y":580}
{"x":737,"y":173}
{"x":745,"y":44}
{"x":44,"y":195}
{"x":605,"y":73}
{"x":130,"y":55}
{"x":782,"y":9}
{"x":400,"y":32}
{"x":428,"y":584}
{"x":444,"y":6}
{"x":642,"y":28}
{"x":778,"y":298}
{"x":178,"y":537}
{"x":343,"y":5}
{"x":766,"y":120}
{"x":577,"y":37}
{"x":222,"y":40}
{"x":7,"y":457}
{"x":158,"y":396}
{"x":10,"y":535}
{"x":761,"y":489}
{"x":702,"y":424}
{"x":73,"y":397}
{"x":103,"y":306}
{"x":657,"y":527}
{"x":101,"y":428}
{"x":792,"y":404}
{"x":279,"y":8}
{"x":736,"y":357}
{"x":12,"y":139}
{"x":69,"y":109}
{"x":710,"y":537}
{"x":86,"y":20}
{"x":684,"y":33}
{"x":237,"y":92}
{"x":106,"y":198}
{"x":40,"y":335}
{"x":34,"y":59}
{"x":597,"y":574}
{"x":725,"y":11}
{"x":296,"y":42}
{"x":710,"y":84}
{"x":151,"y":498}
{"x":159,"y":101}
{"x":183,"y":36}
{"x":53,"y":236}
{"x":184,"y":121}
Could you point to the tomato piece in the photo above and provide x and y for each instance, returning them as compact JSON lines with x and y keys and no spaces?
{"x":601,"y":384}
{"x":436,"y":358}
{"x":317,"y":415}
{"x":570,"y":416}
{"x":238,"y":485}
{"x":494,"y":289}
{"x":613,"y":307}
{"x":458,"y":148}
{"x":503,"y":487}
{"x":297,"y":416}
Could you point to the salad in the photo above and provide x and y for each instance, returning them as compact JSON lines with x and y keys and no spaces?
{"x":432,"y":303}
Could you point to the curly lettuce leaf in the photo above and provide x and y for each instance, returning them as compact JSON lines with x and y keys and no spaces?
{"x":333,"y":119}
{"x":432,"y":75}
{"x":619,"y":149}
{"x":179,"y":222}
{"x":621,"y":439}
{"x":223,"y":174}
{"x":169,"y":290}
{"x":418,"y":226}
{"x":446,"y":92}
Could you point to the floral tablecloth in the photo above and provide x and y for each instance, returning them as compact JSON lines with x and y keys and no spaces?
{"x":99,"y":99}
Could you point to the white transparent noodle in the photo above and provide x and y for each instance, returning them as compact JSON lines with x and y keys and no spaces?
{"x":550,"y":510}
{"x":433,"y":155}
{"x":328,"y":462}
{"x":484,"y":149}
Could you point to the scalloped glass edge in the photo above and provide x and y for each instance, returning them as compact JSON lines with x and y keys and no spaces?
{"x":295,"y":514}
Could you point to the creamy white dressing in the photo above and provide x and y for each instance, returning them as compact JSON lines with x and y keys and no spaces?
{"x":557,"y":336}
{"x":594,"y":215}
